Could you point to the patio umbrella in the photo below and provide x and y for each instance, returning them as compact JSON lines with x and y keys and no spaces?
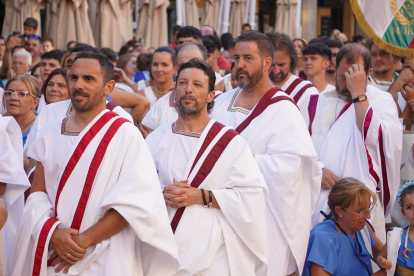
{"x":212,"y":11}
{"x":191,"y":10}
{"x":16,"y":13}
{"x":238,"y":10}
{"x":285,"y":17}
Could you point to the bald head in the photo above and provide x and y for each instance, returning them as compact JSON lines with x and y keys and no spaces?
{"x":352,"y":53}
{"x":189,"y":50}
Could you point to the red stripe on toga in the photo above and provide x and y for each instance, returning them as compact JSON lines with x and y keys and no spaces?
{"x":205,"y":169}
{"x":111,"y":105}
{"x":80,"y":149}
{"x":385,"y":185}
{"x":313,"y":103}
{"x":301,"y":91}
{"x":37,"y":265}
{"x":293,"y":85}
{"x":93,"y":169}
{"x":367,"y":123}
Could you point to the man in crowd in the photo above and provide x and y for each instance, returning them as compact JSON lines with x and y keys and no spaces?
{"x":284,"y":64}
{"x":334,"y":45}
{"x":11,"y":43}
{"x":105,"y":216}
{"x":21,"y":62}
{"x":356,"y":133}
{"x":50,"y":61}
{"x":212,"y":61}
{"x":47,"y":45}
{"x":229,"y":237}
{"x":246,"y":27}
{"x":165,"y":109}
{"x":188,"y":33}
{"x":33,"y":46}
{"x":316,"y":59}
{"x":284,"y":151}
{"x":175,"y":29}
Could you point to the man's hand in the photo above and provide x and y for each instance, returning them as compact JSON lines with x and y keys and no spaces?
{"x":408,"y":92}
{"x":62,"y":264}
{"x":63,"y":244}
{"x":12,"y":42}
{"x":384,"y":263}
{"x":356,"y":80}
{"x":328,"y":179}
{"x":181,"y":194}
{"x":409,"y":63}
{"x":405,"y":76}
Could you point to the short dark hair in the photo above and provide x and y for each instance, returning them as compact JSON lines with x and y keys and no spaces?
{"x":264,"y":45}
{"x":70,"y":42}
{"x":246,"y":25}
{"x":318,"y":39}
{"x":31,"y":22}
{"x":107,"y":67}
{"x":58,"y":71}
{"x":358,"y":38}
{"x":81,"y":47}
{"x":352,"y":52}
{"x":48,"y":39}
{"x":54,"y":54}
{"x":109,"y":53}
{"x":201,"y":47}
{"x":132,"y":42}
{"x":176,"y":28}
{"x":216,"y":41}
{"x":143,"y":61}
{"x":189,"y":31}
{"x":333,"y":43}
{"x":2,"y":37}
{"x":318,"y":49}
{"x":209,"y":44}
{"x":282,"y":42}
{"x":229,"y":44}
{"x":208,"y":70}
{"x":124,"y":49}
{"x":34,"y":68}
{"x":167,"y":49}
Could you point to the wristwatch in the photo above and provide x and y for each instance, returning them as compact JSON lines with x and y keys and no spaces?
{"x":360,"y":99}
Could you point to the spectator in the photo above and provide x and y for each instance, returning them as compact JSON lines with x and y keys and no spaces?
{"x":50,"y":61}
{"x":35,"y":72}
{"x":2,"y":49}
{"x":64,"y":59}
{"x":173,"y":44}
{"x":223,"y":64}
{"x":142,"y":77}
{"x":188,"y":33}
{"x":212,"y":61}
{"x":124,"y":49}
{"x":33,"y":46}
{"x":207,"y":30}
{"x":229,"y":45}
{"x":299,"y":44}
{"x":246,"y":27}
{"x":234,"y":77}
{"x":21,"y":62}
{"x":21,"y":96}
{"x":359,"y":39}
{"x":55,"y":88}
{"x":30,"y":26}
{"x":226,"y":54}
{"x":110,"y":54}
{"x":335,"y":46}
{"x":128,"y":63}
{"x":70,"y":45}
{"x":133,"y":43}
{"x":338,"y":35}
{"x":48,"y":45}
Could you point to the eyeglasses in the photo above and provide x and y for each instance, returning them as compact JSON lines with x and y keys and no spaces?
{"x":20,"y":95}
{"x":33,"y":36}
{"x":364,"y":213}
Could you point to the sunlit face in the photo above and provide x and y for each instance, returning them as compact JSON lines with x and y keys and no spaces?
{"x":162,"y":68}
{"x":331,"y":68}
{"x":18,"y":107}
{"x":351,"y":218}
{"x":131,"y":66}
{"x":298,"y":47}
{"x":47,"y":66}
{"x":227,"y":56}
{"x":86,"y":85}
{"x":20,"y":65}
{"x":280,"y":68}
{"x":408,"y":207}
{"x":57,"y":89}
{"x":248,"y":63}
{"x":192,"y":92}
{"x":29,"y":30}
{"x":47,"y":46}
{"x":182,"y":40}
{"x":381,"y":61}
{"x":315,"y":64}
{"x":33,"y":46}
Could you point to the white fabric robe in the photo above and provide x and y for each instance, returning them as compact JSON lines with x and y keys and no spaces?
{"x":13,"y":174}
{"x":126,"y":181}
{"x":283,"y":149}
{"x":297,"y":88}
{"x":240,"y":190}
{"x":342,"y":148}
{"x":57,"y":111}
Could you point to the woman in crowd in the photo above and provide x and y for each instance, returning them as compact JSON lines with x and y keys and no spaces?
{"x":128,"y":63}
{"x":345,"y":242}
{"x":142,"y":77}
{"x":299,"y":44}
{"x":36,"y":73}
{"x":55,"y":87}
{"x":21,"y":96}
{"x":163,"y":68}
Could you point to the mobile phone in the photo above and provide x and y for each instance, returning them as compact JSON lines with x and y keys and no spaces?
{"x":141,"y":42}
{"x":15,"y":33}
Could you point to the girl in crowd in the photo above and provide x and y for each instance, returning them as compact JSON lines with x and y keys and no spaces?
{"x":345,"y":242}
{"x":128,"y":63}
{"x":142,"y":77}
{"x":400,"y":246}
{"x":36,"y":73}
{"x":163,"y":68}
{"x":299,"y":44}
{"x":55,"y":87}
{"x":21,"y":96}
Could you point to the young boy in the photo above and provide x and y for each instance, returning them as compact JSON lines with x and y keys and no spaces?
{"x":316,"y":58}
{"x":30,"y":26}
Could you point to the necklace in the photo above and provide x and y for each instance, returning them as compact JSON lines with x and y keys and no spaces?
{"x":158,"y":91}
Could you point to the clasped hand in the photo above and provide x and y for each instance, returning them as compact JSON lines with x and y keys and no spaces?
{"x":69,"y":247}
{"x":180,"y":194}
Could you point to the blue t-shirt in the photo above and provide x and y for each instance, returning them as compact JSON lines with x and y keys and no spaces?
{"x":337,"y":253}
{"x":402,"y":261}
{"x":24,"y":136}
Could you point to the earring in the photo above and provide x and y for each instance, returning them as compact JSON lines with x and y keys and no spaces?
{"x":340,"y":216}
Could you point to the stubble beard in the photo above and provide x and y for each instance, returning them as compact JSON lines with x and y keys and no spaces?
{"x":190,"y":111}
{"x":249,"y":81}
{"x":90,"y":103}
{"x":279,"y":77}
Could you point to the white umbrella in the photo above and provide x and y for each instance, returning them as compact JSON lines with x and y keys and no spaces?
{"x":212,"y":12}
{"x":285,"y":18}
{"x":192,"y":16}
{"x":238,"y":11}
